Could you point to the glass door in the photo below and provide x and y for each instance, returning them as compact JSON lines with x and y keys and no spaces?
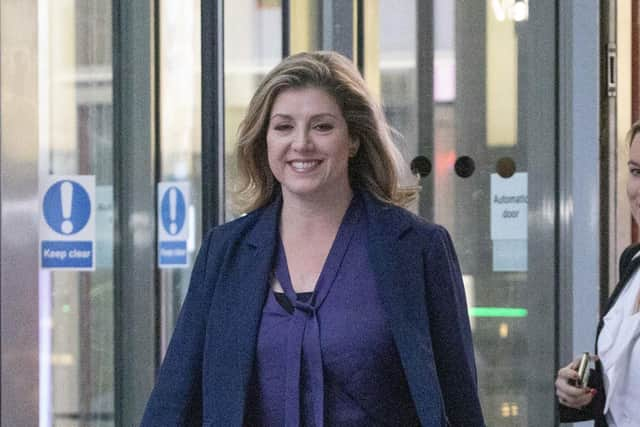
{"x":470,"y":88}
{"x":76,"y":375}
{"x":179,"y":140}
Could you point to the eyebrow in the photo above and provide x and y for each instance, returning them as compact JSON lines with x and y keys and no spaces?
{"x":632,"y":163}
{"x":315,"y":116}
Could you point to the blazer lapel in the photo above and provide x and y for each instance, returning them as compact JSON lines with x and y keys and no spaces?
{"x":627,"y":272}
{"x":397,"y":262}
{"x":249,"y":283}
{"x":625,"y":275}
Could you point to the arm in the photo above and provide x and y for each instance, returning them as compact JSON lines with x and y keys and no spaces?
{"x":451,"y":333}
{"x":176,"y":399}
{"x":581,"y":408}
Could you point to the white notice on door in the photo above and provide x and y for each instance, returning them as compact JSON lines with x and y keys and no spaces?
{"x":509,"y":206}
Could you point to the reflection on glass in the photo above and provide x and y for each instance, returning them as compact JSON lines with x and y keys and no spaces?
{"x":180,"y":136}
{"x":304,"y":33}
{"x":248,"y":55}
{"x":474,"y":109}
{"x":397,"y":69}
{"x":75,"y":138}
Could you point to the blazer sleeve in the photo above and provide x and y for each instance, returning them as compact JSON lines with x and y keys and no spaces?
{"x":176,"y":399}
{"x":451,"y":333}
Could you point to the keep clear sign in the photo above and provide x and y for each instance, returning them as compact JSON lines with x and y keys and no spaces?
{"x":509,"y":208}
{"x":67,"y":222}
{"x":173,"y":224}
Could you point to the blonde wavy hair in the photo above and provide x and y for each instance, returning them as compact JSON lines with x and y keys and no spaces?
{"x":376,"y":167}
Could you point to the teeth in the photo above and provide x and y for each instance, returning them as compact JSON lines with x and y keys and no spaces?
{"x":301,"y":166}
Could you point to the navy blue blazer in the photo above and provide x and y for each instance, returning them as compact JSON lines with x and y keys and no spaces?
{"x":206,"y":371}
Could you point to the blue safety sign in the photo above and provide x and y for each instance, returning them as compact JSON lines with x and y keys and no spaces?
{"x":173,"y":224}
{"x":66,"y":207}
{"x":173,"y":210}
{"x":67,"y":225}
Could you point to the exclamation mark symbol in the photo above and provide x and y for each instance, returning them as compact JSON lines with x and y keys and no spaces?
{"x":173,"y":227}
{"x":66,"y":200}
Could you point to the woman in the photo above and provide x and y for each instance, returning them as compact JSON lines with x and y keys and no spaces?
{"x":613,"y":393}
{"x":328,"y":304}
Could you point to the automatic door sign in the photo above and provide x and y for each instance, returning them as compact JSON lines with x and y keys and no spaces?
{"x":67,"y":222}
{"x":509,"y":221}
{"x":173,"y":224}
{"x":509,"y":206}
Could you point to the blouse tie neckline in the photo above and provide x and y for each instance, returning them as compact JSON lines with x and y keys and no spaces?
{"x":304,"y":330}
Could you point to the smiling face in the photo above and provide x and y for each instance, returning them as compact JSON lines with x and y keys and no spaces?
{"x":633,"y":180}
{"x":308,"y":145}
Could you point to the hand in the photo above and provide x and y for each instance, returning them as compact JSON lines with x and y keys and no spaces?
{"x":570,"y":395}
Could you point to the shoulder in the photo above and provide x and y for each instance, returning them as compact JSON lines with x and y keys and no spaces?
{"x":409,"y":223}
{"x":627,"y":256}
{"x":223,"y":236}
{"x":237,"y":225}
{"x":424,"y":229}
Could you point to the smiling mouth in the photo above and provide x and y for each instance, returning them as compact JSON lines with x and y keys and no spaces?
{"x":304,"y":166}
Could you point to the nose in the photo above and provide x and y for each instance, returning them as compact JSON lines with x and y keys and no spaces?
{"x":302,"y":141}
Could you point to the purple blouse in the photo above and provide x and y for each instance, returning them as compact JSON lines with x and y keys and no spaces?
{"x":329,"y":360}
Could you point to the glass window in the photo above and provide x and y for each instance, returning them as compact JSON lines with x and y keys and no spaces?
{"x":179,"y":136}
{"x":475,"y":110}
{"x":304,"y":32}
{"x":75,"y":138}
{"x":248,"y":55}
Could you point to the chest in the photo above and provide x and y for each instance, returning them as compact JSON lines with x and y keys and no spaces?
{"x":305,"y":259}
{"x":618,"y":342}
{"x":346,"y":341}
